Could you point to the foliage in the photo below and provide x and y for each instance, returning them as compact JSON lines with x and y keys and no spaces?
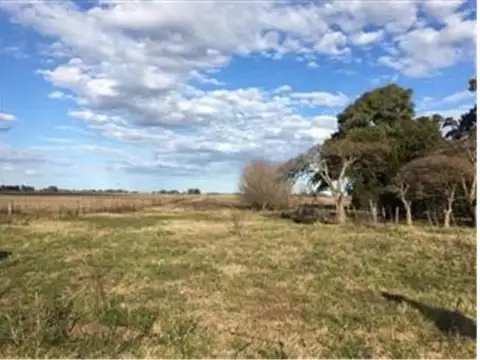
{"x":379,"y":140}
{"x":194,"y":191}
{"x":384,"y":106}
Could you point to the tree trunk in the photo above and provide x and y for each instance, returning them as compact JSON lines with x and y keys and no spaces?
{"x":473,"y":213}
{"x":474,"y":209}
{"x":448,"y":215}
{"x":408,"y":213}
{"x":449,"y":209}
{"x":340,"y":210}
{"x":408,"y":210}
{"x":374,"y":211}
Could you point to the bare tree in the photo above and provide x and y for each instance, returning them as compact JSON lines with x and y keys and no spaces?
{"x":263,"y":187}
{"x":402,"y":187}
{"x":327,"y":166}
{"x":340,"y":154}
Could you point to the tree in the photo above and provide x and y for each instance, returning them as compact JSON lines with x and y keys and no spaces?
{"x":194,"y":191}
{"x":403,"y":186}
{"x":343,"y":153}
{"x":392,"y":147}
{"x":383,"y":156}
{"x":263,"y":186}
{"x":386,"y":116}
{"x":327,"y":166}
{"x":464,"y":153}
{"x":439,"y":175}
{"x":384,"y":106}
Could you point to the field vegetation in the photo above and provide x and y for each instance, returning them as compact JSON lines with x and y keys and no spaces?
{"x":201,"y":279}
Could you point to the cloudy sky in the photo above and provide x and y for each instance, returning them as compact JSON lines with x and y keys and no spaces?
{"x":147,"y":94}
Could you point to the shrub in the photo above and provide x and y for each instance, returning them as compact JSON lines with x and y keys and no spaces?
{"x":194,"y":192}
{"x":262,"y":186}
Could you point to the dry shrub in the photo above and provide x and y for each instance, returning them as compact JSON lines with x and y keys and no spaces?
{"x":262,"y":186}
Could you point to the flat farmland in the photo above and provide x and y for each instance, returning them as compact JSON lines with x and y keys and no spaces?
{"x":199,"y":277}
{"x":45,"y":205}
{"x":61,"y":205}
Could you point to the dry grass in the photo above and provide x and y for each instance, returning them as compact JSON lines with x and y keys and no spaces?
{"x":36,"y":206}
{"x":39,"y":206}
{"x":74,"y":205}
{"x":228,"y":283}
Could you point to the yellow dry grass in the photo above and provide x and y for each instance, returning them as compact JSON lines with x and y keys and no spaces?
{"x":230,"y":283}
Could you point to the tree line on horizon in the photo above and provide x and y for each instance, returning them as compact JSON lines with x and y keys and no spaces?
{"x":384,"y":158}
{"x":21,"y":189}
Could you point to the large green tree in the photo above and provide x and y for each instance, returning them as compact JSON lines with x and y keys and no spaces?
{"x":380,"y":146}
{"x":383,"y":135}
{"x":384,"y":106}
{"x":387,"y":117}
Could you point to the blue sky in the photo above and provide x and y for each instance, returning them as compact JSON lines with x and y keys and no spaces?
{"x":158,"y":95}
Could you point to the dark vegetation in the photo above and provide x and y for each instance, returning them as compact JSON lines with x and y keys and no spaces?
{"x":51,"y":190}
{"x":4,"y":254}
{"x":390,"y":162}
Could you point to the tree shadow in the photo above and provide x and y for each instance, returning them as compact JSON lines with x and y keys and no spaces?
{"x":447,"y":321}
{"x":5,"y":254}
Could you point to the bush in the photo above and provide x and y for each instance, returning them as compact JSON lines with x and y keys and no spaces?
{"x":194,"y":192}
{"x":262,"y":186}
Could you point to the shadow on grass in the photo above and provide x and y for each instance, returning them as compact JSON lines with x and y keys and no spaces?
{"x":447,"y":321}
{"x":5,"y":254}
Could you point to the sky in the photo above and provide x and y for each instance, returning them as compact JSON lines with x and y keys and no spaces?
{"x":149,"y":95}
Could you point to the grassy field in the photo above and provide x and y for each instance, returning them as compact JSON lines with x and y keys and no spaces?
{"x":177,"y":281}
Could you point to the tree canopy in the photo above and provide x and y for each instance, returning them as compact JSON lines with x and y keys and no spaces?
{"x":379,"y":149}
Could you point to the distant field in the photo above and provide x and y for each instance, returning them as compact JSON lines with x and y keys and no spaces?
{"x":60,"y":205}
{"x":182,"y":279}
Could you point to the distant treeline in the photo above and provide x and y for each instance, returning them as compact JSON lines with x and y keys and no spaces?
{"x":23,"y":189}
{"x":173,"y":192}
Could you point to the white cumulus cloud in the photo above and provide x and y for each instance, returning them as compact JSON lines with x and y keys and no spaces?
{"x":138,"y":70}
{"x":7,"y":117}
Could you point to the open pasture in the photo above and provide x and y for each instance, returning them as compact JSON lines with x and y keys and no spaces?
{"x":179,"y":279}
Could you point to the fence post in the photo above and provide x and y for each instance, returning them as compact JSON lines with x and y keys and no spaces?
{"x":10,"y":208}
{"x":397,"y":215}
